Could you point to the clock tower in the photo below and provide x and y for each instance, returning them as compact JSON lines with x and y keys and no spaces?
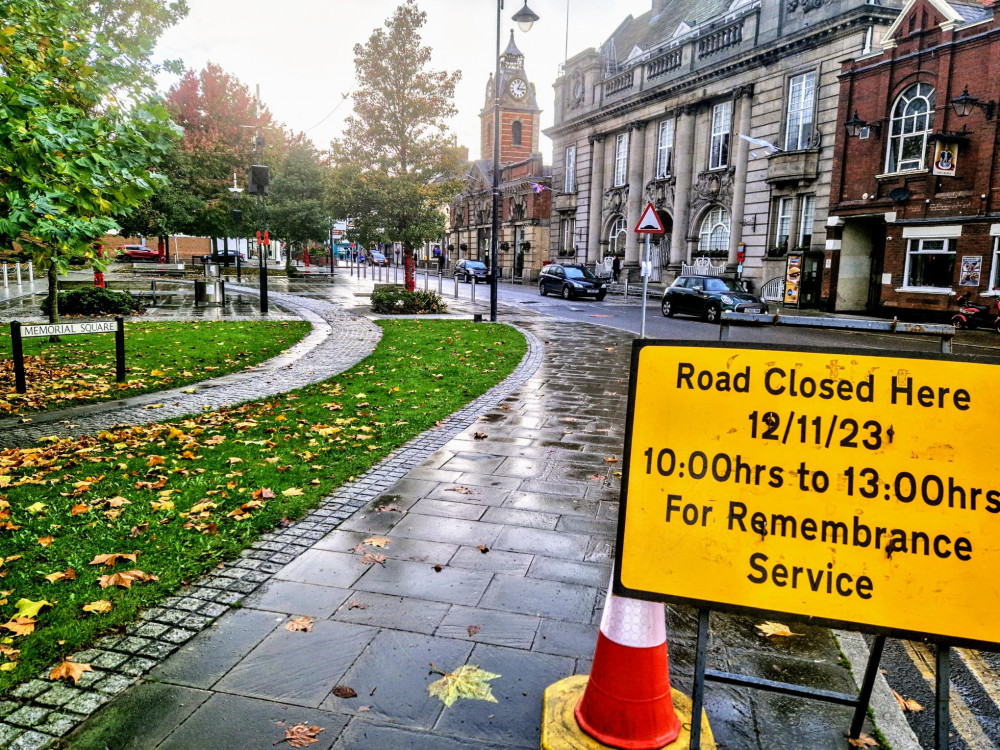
{"x":519,"y":112}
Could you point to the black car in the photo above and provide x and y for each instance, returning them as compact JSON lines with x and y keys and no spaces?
{"x":708,"y":296}
{"x":571,"y":280}
{"x":467,"y":270}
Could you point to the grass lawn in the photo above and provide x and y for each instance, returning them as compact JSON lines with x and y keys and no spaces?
{"x":185,"y":495}
{"x":158,"y":356}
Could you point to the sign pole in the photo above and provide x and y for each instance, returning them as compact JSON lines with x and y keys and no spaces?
{"x":15,"y":339}
{"x":645,"y":289}
{"x":120,"y":349}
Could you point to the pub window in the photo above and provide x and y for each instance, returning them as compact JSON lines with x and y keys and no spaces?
{"x":930,"y":263}
{"x":912,"y":117}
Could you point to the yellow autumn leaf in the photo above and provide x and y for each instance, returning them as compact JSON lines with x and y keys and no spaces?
{"x":468,"y":681}
{"x":29,"y":609}
{"x":770,"y":629}
{"x":9,"y":666}
{"x":157,"y":373}
{"x":69,"y":670}
{"x":377,"y":541}
{"x":292,"y":492}
{"x":162,"y":505}
{"x":36,"y":508}
{"x":100,"y":607}
{"x":201,"y":507}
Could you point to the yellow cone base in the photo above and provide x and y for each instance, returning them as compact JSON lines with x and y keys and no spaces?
{"x":561,"y":732}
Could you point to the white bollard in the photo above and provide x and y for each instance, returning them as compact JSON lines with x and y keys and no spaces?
{"x":426,"y":275}
{"x":473,"y":290}
{"x":456,"y":286}
{"x":17,"y":268}
{"x":440,"y":282}
{"x":31,"y":273}
{"x":5,"y":282}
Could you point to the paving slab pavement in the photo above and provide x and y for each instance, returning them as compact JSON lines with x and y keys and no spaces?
{"x":535,"y":491}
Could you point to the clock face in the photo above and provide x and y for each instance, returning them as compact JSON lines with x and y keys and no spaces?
{"x":518,"y":88}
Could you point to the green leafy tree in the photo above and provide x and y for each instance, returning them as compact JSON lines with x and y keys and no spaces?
{"x":397,"y":163}
{"x":296,"y":210}
{"x":80,"y":136}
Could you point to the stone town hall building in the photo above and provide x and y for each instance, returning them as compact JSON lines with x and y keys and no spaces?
{"x":656,"y":113}
{"x":525,"y":209}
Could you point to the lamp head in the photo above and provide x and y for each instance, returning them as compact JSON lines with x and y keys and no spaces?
{"x":525,"y":18}
{"x":854,"y":125}
{"x":964,"y":104}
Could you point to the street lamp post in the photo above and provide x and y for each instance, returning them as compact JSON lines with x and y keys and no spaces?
{"x":525,"y":19}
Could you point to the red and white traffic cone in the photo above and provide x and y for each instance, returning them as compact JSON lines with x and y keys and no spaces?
{"x":627,"y":702}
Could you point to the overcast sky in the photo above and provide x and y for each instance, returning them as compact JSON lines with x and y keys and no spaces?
{"x":300,"y":51}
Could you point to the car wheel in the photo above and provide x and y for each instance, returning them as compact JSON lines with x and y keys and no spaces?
{"x":712,"y":313}
{"x":541,"y":289}
{"x":666,"y":308}
{"x":567,"y":293}
{"x":601,"y":296}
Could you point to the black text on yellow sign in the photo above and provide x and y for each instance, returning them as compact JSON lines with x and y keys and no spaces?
{"x":848,"y":487}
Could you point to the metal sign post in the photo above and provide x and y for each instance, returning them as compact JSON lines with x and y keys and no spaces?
{"x":19,"y":331}
{"x":645,"y":289}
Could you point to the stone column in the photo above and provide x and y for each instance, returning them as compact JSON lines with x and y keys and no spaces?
{"x":684,"y":180}
{"x":744,"y":98}
{"x":596,"y":210}
{"x":636,"y":185}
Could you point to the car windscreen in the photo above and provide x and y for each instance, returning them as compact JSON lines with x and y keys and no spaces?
{"x":579,"y":273}
{"x":475,"y":264}
{"x":722,"y":285}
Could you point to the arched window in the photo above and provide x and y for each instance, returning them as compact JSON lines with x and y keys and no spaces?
{"x":515,"y":133}
{"x":713,"y":239}
{"x":911,"y":124}
{"x":616,"y":236}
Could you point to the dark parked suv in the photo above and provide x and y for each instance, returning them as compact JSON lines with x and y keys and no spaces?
{"x":708,"y":296}
{"x":467,"y":270}
{"x":571,"y":280}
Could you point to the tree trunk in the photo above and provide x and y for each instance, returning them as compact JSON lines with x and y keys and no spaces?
{"x":52,"y":300}
{"x":408,"y":267}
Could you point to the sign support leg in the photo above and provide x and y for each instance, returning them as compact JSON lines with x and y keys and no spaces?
{"x":698,"y":693}
{"x":871,"y":672}
{"x":645,"y":288}
{"x":15,"y":339}
{"x":942,"y":674}
{"x":120,"y":349}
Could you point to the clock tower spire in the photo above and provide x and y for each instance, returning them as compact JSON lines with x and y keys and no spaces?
{"x":519,"y":111}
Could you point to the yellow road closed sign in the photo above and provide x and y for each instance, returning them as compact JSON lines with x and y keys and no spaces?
{"x":850,"y":488}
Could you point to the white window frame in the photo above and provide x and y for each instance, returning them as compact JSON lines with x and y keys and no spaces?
{"x":920,"y":243}
{"x":722,"y":124}
{"x":715,"y":231}
{"x":621,"y":159}
{"x":799,"y":114}
{"x":783,"y":222}
{"x":569,"y":186}
{"x":807,"y":218}
{"x":908,"y":123}
{"x":617,"y":235}
{"x":665,"y":149}
{"x":995,"y":268}
{"x":566,"y":229}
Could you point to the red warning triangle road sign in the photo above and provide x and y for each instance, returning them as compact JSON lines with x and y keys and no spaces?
{"x":649,"y":222}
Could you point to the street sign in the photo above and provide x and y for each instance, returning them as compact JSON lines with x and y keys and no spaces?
{"x":649,"y":222}
{"x":29,"y":331}
{"x":19,"y":331}
{"x":846,"y":488}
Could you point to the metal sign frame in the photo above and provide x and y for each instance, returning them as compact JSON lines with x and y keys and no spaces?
{"x":17,"y":349}
{"x":704,"y":607}
{"x":650,"y":210}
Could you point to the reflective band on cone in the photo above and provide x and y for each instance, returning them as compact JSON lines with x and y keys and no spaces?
{"x":627,"y":702}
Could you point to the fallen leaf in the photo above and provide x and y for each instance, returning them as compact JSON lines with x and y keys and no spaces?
{"x":775,"y":629}
{"x":20,"y":625}
{"x":301,"y":735}
{"x":45,"y":541}
{"x":460,"y":490}
{"x":304,"y":624}
{"x":356,"y":604}
{"x":113,"y":559}
{"x":863,"y":741}
{"x":468,"y":681}
{"x":483,"y":548}
{"x":292,"y":492}
{"x":438,"y":568}
{"x":29,"y":609}
{"x":611,"y":459}
{"x":78,"y":509}
{"x":377,"y":541}
{"x":153,"y":406}
{"x":69,"y":670}
{"x":36,"y":508}
{"x":480,"y":436}
{"x":907,"y":704}
{"x":69,"y":574}
{"x":125,"y":579}
{"x":342,"y":691}
{"x":371,"y":558}
{"x":473,"y":629}
{"x":101,"y":606}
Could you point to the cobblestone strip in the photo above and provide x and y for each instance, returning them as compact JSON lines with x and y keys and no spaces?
{"x":44,"y":710}
{"x":339,"y":340}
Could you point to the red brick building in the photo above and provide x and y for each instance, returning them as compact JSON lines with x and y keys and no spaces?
{"x":915,"y":197}
{"x":525,"y":181}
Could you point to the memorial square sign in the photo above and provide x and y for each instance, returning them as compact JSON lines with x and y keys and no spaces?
{"x":842,"y":487}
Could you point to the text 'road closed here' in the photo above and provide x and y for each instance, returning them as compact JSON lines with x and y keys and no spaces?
{"x":852,"y":488}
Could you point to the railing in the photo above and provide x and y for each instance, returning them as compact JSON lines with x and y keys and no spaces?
{"x":722,"y":39}
{"x":619,"y":83}
{"x":664,"y":64}
{"x":703,"y":267}
{"x":773,"y":290}
{"x":17,"y":274}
